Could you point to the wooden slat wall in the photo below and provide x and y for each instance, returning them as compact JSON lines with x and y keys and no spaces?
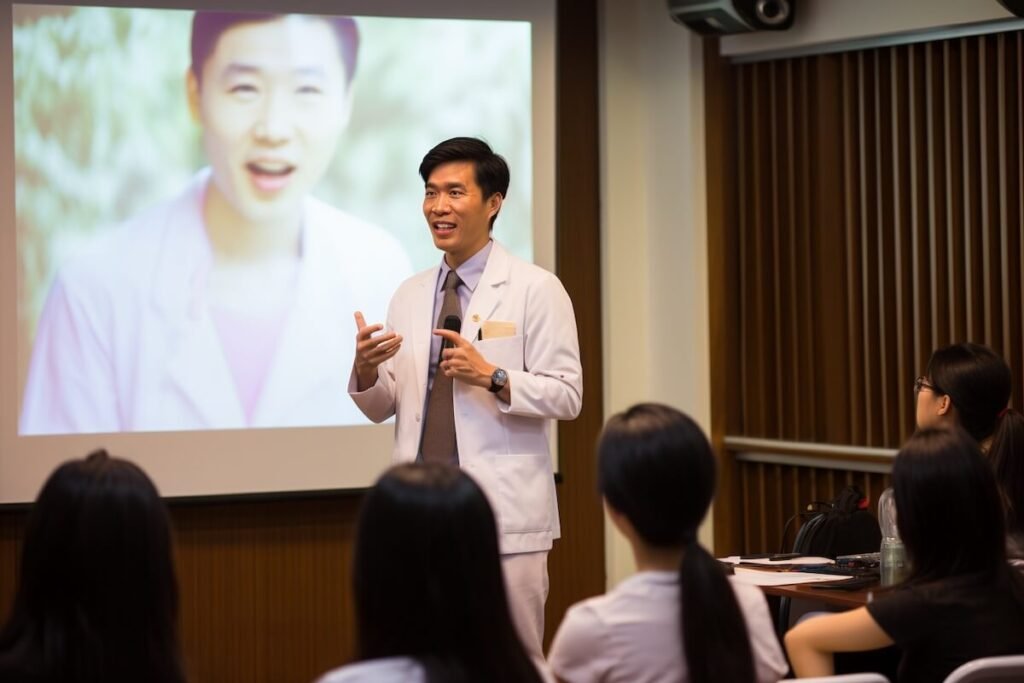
{"x":265,"y":585}
{"x":879,"y":215}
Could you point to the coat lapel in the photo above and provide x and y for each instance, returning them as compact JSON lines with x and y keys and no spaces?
{"x":195,"y":364}
{"x":422,"y":325}
{"x":487,"y":295}
{"x":313,"y":348}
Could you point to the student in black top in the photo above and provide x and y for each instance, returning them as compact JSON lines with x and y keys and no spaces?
{"x":962,"y":600}
{"x":97,"y":599}
{"x":969,"y":385}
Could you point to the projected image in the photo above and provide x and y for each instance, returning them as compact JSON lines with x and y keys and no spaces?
{"x":203,"y":200}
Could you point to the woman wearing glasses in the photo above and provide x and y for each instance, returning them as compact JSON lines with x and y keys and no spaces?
{"x":968,"y":385}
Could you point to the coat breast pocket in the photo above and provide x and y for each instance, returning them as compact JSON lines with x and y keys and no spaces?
{"x":505,"y":352}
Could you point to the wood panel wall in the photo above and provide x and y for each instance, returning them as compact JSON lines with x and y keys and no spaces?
{"x":865,"y":208}
{"x":265,"y":585}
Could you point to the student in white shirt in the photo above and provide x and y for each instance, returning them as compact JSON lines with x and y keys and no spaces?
{"x":430,"y":597}
{"x":679,"y":618}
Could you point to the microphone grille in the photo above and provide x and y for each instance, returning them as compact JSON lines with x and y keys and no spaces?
{"x":453,"y":323}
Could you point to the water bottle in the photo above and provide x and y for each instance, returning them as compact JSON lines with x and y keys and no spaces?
{"x":893,"y":556}
{"x":893,"y":561}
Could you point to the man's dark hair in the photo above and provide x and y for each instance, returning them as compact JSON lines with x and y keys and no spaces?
{"x":490,"y":170}
{"x":208,"y":27}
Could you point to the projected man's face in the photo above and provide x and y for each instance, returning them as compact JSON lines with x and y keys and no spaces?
{"x":272,"y":101}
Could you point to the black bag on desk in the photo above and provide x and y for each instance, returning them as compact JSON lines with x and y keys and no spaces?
{"x":842,"y":527}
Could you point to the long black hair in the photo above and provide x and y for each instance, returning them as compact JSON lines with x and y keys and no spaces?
{"x":978,"y":383}
{"x":947,"y":507}
{"x":656,"y":467}
{"x":97,"y":600}
{"x":428,"y":578}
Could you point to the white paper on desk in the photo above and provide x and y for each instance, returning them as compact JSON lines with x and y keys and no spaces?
{"x":735,"y":559}
{"x":756,"y":577}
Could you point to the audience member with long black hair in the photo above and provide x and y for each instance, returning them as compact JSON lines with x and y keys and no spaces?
{"x":430,"y":596}
{"x":97,"y":599}
{"x":962,"y":600}
{"x":969,"y":385}
{"x":679,"y":618}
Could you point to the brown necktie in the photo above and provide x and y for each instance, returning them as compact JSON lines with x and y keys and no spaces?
{"x":438,"y":443}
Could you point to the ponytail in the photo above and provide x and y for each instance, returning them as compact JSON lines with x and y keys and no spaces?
{"x":1007,"y":457}
{"x":656,"y":467}
{"x":715,"y":642}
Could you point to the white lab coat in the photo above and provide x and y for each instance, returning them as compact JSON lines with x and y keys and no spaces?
{"x":503,"y":446}
{"x":126,"y":343}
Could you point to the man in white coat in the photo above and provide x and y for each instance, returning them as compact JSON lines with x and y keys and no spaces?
{"x":223,"y":307}
{"x":485,"y":400}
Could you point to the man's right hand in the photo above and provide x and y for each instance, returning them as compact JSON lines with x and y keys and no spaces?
{"x":372,"y":351}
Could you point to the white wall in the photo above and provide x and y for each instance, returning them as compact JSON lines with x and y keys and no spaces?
{"x":653,"y":215}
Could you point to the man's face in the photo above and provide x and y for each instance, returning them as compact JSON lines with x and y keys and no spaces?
{"x":272,"y":101}
{"x":457,"y":212}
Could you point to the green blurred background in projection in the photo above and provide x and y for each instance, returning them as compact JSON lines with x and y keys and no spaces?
{"x":102,"y":128}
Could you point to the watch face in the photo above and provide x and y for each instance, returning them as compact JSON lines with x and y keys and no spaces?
{"x":498,"y":379}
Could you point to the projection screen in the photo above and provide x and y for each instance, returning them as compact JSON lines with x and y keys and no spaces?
{"x":195,"y":204}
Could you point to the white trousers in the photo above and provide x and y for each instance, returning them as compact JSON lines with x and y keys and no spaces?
{"x":526,"y":581}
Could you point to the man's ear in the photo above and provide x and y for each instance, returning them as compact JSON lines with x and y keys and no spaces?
{"x":192,"y":93}
{"x":494,"y":204}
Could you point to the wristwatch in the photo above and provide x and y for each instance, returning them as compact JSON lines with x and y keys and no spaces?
{"x":498,"y":380}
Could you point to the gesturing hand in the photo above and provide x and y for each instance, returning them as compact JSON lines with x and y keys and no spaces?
{"x":463,"y":362}
{"x":371,"y":351}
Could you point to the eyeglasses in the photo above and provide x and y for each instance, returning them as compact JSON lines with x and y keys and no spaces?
{"x":923,"y":383}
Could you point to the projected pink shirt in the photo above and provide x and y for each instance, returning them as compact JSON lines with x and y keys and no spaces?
{"x":249,"y":344}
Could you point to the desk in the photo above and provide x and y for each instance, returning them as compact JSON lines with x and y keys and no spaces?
{"x":844,"y":599}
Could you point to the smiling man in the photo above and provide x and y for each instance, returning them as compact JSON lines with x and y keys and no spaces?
{"x":509,"y":364}
{"x":224,"y":307}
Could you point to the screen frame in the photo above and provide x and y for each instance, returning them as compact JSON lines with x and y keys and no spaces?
{"x":190,"y":471}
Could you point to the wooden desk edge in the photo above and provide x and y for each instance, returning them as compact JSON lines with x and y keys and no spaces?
{"x":837,"y":597}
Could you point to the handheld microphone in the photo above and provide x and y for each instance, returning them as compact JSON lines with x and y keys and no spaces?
{"x":454,"y":324}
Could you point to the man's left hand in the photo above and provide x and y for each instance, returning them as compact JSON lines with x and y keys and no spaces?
{"x":463,"y":362}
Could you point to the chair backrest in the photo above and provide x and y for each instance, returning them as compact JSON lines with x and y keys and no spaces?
{"x":1008,"y":668}
{"x":844,"y":678}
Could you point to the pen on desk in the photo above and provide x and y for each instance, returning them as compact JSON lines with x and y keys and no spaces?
{"x":781,"y":557}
